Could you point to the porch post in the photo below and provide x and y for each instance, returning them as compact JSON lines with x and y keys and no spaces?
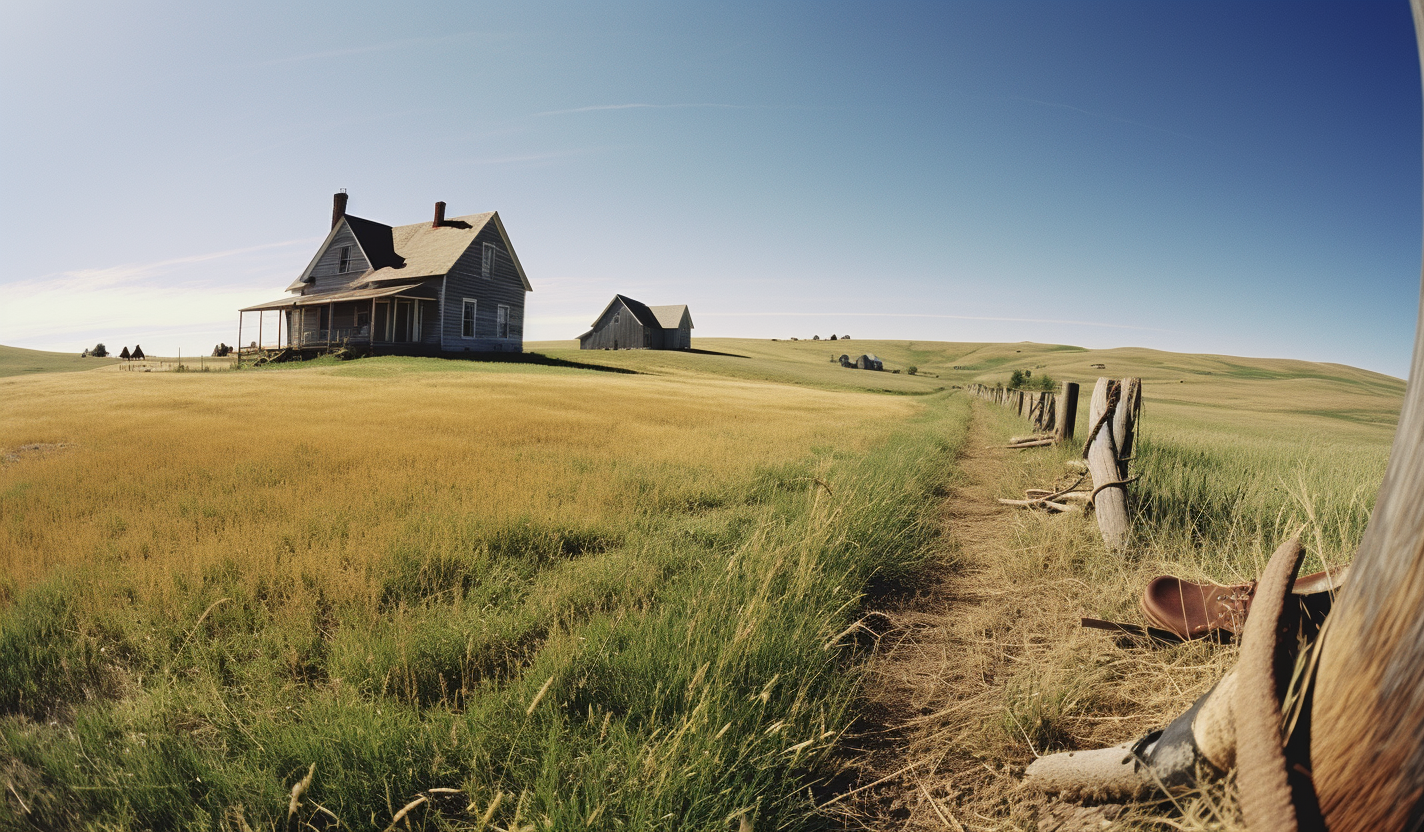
{"x":261,"y":316}
{"x":239,"y":338}
{"x":330,"y":322}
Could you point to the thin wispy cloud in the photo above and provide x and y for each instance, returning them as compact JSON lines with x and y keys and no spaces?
{"x":603,"y":107}
{"x":525,"y":158}
{"x":198,"y":293}
{"x":991,"y":318}
{"x":386,"y":46}
{"x":129,"y":273}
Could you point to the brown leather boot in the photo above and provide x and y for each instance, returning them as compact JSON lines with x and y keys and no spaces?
{"x":1196,"y":610}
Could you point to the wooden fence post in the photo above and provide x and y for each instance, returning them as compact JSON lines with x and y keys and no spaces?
{"x":1110,"y":500}
{"x":1067,"y":412}
{"x":1125,"y":420}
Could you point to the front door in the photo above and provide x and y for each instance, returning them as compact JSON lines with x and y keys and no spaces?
{"x":378,"y":332}
{"x":404,"y":311}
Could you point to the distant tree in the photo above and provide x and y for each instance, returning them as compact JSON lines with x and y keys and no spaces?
{"x":137,"y":353}
{"x":125,"y":354}
{"x":845,"y":337}
{"x":1018,"y":378}
{"x":911,"y":370}
{"x":833,"y":336}
{"x":221,"y":350}
{"x":1043,"y":382}
{"x":100,"y":351}
{"x":815,"y":337}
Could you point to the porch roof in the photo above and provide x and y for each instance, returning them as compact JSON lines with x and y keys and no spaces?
{"x":423,"y":291}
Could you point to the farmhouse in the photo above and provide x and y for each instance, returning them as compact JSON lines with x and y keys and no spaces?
{"x":439,"y":287}
{"x":626,"y":324}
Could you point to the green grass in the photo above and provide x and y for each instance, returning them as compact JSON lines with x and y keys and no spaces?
{"x":674,"y":666}
{"x":15,"y":361}
{"x":648,"y":637}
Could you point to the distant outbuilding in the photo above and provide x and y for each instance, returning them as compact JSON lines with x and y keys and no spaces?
{"x":627,"y":324}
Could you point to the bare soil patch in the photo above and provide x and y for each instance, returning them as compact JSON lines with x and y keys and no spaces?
{"x":32,"y":449}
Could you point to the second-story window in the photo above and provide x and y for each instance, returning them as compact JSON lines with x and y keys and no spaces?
{"x":487,"y":264}
{"x":345,"y":260}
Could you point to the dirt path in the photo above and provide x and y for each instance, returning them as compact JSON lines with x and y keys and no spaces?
{"x":934,"y":682}
{"x":985,"y":664}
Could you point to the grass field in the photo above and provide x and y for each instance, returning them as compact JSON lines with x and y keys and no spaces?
{"x":582,"y":599}
{"x":1236,"y":450}
{"x":579,"y":598}
{"x":15,"y":361}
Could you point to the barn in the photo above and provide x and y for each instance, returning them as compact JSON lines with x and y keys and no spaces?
{"x":626,"y":324}
{"x":441,"y":287}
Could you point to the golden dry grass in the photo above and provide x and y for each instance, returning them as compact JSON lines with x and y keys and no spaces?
{"x":324,"y":468}
{"x":298,"y":491}
{"x":594,"y":597}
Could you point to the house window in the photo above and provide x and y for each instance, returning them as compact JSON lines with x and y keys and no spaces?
{"x":468,"y":320}
{"x":501,"y":320}
{"x":345,"y":260}
{"x":487,"y":264}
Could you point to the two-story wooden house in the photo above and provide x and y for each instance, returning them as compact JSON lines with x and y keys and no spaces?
{"x":448,"y":286}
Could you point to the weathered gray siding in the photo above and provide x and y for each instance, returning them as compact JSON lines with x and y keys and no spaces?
{"x":326,"y":275}
{"x":502,"y":287}
{"x":627,"y":334}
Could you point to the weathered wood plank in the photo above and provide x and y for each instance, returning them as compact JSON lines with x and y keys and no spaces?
{"x":1110,"y":502}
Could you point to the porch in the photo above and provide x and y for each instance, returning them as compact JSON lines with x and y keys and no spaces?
{"x":387,"y":320}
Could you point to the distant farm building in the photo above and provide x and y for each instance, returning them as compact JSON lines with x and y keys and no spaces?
{"x":626,"y":324}
{"x":437,"y":287}
{"x":865,"y":362}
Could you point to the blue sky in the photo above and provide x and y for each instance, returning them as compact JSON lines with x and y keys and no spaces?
{"x":1237,"y":177}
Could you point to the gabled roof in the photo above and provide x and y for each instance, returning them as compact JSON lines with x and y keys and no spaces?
{"x":376,"y":243}
{"x":431,"y":252}
{"x":413,"y":252}
{"x":658,"y":317}
{"x":670,"y":317}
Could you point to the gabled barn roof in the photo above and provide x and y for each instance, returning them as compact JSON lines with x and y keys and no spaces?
{"x":641,"y":313}
{"x":670,"y":317}
{"x":658,"y":317}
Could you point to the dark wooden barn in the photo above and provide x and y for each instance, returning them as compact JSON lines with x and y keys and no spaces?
{"x":626,"y":324}
{"x":447,"y":286}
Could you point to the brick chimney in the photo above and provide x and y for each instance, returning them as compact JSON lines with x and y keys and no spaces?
{"x":338,"y":207}
{"x":439,"y":215}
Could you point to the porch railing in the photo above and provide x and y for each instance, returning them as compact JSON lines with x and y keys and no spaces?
{"x":321,"y":337}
